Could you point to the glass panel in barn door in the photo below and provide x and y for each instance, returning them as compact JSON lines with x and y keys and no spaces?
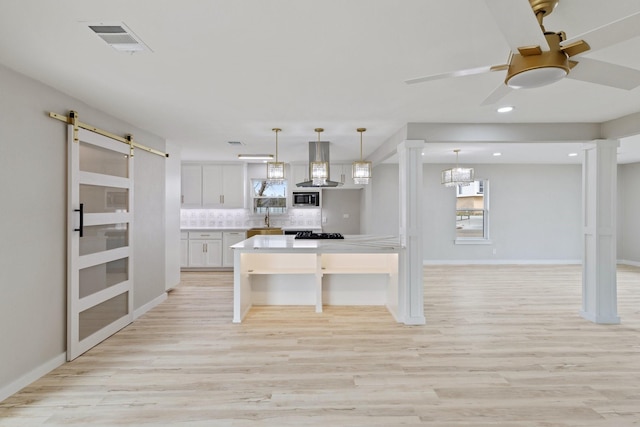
{"x":100,"y":273}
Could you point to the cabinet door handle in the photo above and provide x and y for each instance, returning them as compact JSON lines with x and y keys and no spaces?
{"x":206,"y":247}
{"x":222,"y":198}
{"x":182,"y":199}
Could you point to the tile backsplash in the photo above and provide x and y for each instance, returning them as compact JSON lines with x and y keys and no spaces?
{"x":243,"y":218}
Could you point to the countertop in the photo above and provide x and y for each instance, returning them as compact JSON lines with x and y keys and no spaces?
{"x":357,"y":243}
{"x":214,"y":228}
{"x":244,"y":228}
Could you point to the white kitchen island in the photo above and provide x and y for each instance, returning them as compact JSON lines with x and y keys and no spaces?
{"x":282,"y":270}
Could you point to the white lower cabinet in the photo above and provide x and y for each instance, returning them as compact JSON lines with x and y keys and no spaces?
{"x":205,"y":249}
{"x":230,"y":238}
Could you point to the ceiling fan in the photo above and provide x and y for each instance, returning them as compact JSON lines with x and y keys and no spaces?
{"x":539,"y":57}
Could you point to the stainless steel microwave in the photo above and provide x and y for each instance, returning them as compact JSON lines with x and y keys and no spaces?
{"x":306,"y":199}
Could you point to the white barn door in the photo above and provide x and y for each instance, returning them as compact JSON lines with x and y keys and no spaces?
{"x":100,"y":239}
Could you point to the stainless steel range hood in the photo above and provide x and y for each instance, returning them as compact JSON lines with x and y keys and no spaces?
{"x":319,"y":152}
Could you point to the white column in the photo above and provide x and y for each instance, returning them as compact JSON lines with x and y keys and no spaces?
{"x":410,"y":286}
{"x":599,"y":288}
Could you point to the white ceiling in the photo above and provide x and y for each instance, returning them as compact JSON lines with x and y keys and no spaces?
{"x":230,"y":70}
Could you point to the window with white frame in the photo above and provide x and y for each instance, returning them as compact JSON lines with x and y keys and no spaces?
{"x":472,"y":212}
{"x":269,"y":196}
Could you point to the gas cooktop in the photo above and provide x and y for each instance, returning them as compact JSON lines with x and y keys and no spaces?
{"x":312,"y":235}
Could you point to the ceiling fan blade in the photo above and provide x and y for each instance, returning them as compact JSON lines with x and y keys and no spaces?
{"x":610,"y":34}
{"x":495,"y":96}
{"x":459,"y":73}
{"x":605,"y":73}
{"x":518,"y":23}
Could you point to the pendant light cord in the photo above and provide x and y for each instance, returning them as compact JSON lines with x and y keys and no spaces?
{"x":361,"y":130}
{"x":276,"y":130}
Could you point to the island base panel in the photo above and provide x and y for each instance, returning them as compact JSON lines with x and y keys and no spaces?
{"x":277,"y":289}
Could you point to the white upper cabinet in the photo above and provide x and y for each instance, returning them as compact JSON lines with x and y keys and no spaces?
{"x":212,"y":192}
{"x":233,"y":186}
{"x":213,"y":185}
{"x":191,"y":185}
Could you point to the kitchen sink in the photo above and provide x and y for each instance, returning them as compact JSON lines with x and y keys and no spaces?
{"x":263,"y":230}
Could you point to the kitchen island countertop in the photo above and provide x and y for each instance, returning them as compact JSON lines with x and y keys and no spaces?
{"x":356,"y":243}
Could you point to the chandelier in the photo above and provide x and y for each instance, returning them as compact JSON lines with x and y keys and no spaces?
{"x":457,"y":176}
{"x":319,"y":170}
{"x":361,"y":170}
{"x":275,"y":170}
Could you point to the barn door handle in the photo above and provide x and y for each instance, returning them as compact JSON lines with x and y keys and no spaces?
{"x":81,"y":210}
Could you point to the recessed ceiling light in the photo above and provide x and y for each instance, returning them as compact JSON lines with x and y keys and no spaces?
{"x":497,"y":154}
{"x":506,"y":109}
{"x":573,"y":154}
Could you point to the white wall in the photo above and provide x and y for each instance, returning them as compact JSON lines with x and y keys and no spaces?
{"x":381,"y":202}
{"x":33,"y":219}
{"x":628,"y":218}
{"x":338,"y":203}
{"x":535,"y":213}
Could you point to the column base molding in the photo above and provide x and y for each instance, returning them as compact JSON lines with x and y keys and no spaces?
{"x":601,"y":320}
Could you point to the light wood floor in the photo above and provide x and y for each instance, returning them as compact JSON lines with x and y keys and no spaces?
{"x":503,"y":346}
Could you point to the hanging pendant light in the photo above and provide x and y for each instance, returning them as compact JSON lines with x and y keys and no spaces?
{"x":318,"y":170}
{"x":361,"y":170}
{"x":275,"y":170}
{"x":457,"y":176}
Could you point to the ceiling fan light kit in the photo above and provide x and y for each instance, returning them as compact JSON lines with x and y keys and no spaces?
{"x":528,"y":71}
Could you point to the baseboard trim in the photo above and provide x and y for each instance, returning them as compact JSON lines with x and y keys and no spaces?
{"x":148,"y":306}
{"x":503,"y":262}
{"x":517,"y":262}
{"x":415,"y":321}
{"x":32,"y":376}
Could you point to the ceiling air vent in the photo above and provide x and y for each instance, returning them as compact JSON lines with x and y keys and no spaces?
{"x":118,"y":36}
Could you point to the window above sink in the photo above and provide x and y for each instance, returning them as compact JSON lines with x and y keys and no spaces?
{"x":265,"y":188}
{"x":269,"y":196}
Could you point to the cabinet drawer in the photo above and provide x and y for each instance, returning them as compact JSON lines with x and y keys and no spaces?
{"x":208,"y":235}
{"x":184,"y":235}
